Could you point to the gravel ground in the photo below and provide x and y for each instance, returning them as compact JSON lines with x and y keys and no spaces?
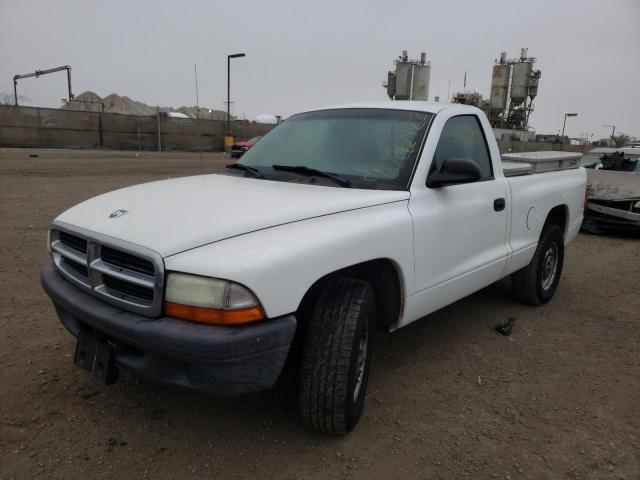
{"x":448,"y":397}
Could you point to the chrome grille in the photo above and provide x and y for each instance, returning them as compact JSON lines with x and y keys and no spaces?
{"x":123,"y":274}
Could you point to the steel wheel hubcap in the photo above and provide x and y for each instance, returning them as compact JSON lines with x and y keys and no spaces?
{"x":361,"y":361}
{"x":549,"y":266}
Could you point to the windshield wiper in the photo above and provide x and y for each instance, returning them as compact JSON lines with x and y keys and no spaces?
{"x":245,"y":168}
{"x":312,"y":171}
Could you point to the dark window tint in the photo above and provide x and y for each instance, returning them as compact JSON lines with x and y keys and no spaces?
{"x":462,"y":137}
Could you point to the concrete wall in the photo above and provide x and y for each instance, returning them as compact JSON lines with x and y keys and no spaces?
{"x":54,"y":128}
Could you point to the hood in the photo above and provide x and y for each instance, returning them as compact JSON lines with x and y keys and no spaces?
{"x":613,"y":185}
{"x":243,"y":144}
{"x":172,"y":216}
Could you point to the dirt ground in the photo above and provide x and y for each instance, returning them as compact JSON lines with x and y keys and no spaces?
{"x":448,"y":397}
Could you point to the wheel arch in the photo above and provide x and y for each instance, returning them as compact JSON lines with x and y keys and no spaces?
{"x":385,"y":277}
{"x":558,"y":215}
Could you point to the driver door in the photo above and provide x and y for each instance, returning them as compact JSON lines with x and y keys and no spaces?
{"x":460,"y":230}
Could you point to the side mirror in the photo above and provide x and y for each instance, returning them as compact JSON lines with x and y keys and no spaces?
{"x":454,"y":171}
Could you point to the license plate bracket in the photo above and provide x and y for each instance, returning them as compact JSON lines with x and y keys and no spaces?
{"x":97,"y":357}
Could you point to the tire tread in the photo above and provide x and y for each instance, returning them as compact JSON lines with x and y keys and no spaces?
{"x":524,"y":282}
{"x":327,"y":351}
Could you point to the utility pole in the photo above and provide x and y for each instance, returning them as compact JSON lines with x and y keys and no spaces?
{"x":159,"y":132}
{"x":195,"y":69}
{"x":100,"y":126}
{"x":613,"y":131}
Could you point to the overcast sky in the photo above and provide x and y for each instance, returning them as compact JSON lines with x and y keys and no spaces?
{"x":302,"y":54}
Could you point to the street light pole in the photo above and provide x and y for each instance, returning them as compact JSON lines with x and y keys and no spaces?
{"x":228,"y":139}
{"x":565,"y":123}
{"x":228,"y":95}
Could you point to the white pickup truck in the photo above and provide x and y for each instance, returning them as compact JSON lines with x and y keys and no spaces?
{"x":339,"y":221}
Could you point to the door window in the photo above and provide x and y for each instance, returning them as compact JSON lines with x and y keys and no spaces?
{"x":462,"y":137}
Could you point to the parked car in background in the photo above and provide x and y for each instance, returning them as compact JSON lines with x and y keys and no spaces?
{"x":613,"y":196}
{"x":238,"y":148}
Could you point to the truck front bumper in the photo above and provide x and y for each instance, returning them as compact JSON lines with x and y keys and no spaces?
{"x":213,"y":359}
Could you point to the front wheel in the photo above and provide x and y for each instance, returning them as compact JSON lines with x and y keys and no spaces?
{"x":336,"y":356}
{"x":537,"y":282}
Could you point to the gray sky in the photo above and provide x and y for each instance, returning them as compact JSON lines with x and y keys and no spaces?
{"x":302,"y":54}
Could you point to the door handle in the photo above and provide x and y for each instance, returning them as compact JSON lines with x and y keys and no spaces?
{"x":499,"y":204}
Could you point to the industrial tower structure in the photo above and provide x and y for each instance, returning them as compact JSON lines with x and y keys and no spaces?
{"x":513,"y":82}
{"x":410,"y":80}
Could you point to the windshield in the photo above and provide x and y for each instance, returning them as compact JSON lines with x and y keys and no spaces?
{"x":369,"y":148}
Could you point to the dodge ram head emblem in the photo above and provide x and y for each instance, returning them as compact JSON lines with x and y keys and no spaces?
{"x":118,"y":213}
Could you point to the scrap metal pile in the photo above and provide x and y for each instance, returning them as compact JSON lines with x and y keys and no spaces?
{"x":613,"y":202}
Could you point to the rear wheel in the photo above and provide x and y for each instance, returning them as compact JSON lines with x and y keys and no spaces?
{"x":537,"y":282}
{"x":336,"y":356}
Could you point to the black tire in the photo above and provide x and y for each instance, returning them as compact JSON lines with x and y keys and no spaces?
{"x":537,"y":282}
{"x":331,"y":396}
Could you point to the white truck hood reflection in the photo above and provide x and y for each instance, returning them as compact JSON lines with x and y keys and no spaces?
{"x":172,"y":216}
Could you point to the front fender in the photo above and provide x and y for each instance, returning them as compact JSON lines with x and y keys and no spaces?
{"x":281,"y":263}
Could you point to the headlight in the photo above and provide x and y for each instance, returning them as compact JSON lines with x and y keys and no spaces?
{"x":210,"y":300}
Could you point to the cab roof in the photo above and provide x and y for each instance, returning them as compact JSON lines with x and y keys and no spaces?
{"x":430,"y":107}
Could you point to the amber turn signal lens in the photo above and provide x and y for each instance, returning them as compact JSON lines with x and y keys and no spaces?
{"x":214,"y":316}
